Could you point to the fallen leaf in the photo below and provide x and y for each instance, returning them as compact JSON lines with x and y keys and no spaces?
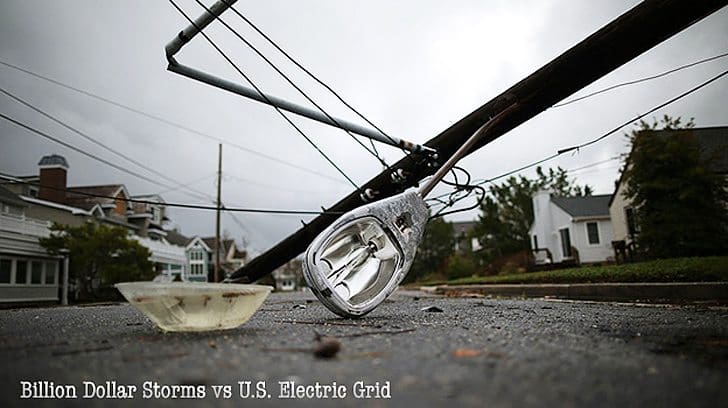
{"x":466,"y":352}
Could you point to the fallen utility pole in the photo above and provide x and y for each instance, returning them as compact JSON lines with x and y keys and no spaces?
{"x":636,"y":31}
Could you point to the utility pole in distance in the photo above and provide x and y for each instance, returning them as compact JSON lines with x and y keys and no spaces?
{"x":217,"y":221}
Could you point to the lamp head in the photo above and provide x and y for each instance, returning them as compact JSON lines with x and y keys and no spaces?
{"x":355,"y":263}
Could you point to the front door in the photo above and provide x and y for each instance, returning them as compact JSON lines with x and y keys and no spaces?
{"x":565,"y":242}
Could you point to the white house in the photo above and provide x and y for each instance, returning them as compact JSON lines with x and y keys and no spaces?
{"x":27,"y":272}
{"x":571,"y":229}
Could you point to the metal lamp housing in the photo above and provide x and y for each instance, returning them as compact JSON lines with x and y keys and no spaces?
{"x":354,"y":264}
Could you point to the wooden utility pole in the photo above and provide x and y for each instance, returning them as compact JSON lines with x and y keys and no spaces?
{"x":636,"y":31}
{"x":217,"y":221}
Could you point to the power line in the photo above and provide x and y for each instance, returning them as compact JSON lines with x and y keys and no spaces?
{"x":178,"y":205}
{"x":189,"y":183}
{"x":103,"y":146}
{"x":270,"y":186}
{"x":636,"y":81}
{"x":165,"y":121}
{"x":616,"y":129}
{"x":314,"y":77}
{"x":593,"y":164}
{"x":170,"y":188}
{"x":74,"y":148}
{"x":293,"y":84}
{"x":235,"y":66}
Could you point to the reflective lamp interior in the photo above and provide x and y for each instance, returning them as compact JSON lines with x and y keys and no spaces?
{"x":359,"y":260}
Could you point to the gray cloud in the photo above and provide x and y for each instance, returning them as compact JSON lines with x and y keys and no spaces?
{"x":414,"y":67}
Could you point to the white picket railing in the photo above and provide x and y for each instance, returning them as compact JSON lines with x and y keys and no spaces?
{"x":21,"y":224}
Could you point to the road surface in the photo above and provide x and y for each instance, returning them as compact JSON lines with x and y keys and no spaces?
{"x":476,"y":352}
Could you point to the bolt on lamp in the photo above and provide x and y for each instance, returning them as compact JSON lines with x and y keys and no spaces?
{"x":355,"y":263}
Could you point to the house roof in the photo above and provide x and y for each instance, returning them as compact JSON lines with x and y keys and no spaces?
{"x":87,"y":202}
{"x":226,"y":243}
{"x":588,"y":206}
{"x":175,"y":237}
{"x":8,"y":197}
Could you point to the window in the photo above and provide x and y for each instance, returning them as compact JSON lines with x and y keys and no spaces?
{"x":50,"y":273}
{"x":36,"y":272}
{"x":535,"y":242}
{"x":592,"y":231}
{"x":156,"y":215}
{"x":21,"y":271}
{"x":197,"y":269}
{"x":5,"y":266}
{"x":631,"y":217}
{"x":565,"y":242}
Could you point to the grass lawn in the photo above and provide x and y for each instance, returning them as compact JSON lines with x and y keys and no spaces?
{"x":708,"y":269}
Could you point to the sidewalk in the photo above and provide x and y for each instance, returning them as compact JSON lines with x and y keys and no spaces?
{"x":678,"y":292}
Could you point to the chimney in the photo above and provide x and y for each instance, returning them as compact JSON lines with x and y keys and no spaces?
{"x":53,"y":169}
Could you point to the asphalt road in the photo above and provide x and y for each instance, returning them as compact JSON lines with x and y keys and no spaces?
{"x":476,"y":352}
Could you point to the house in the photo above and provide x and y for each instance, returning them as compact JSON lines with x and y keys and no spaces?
{"x":200,"y":253}
{"x":33,"y":203}
{"x":713,"y":142}
{"x":571,"y":229}
{"x":27,"y":272}
{"x":231,"y":257}
{"x":289,"y":276}
{"x":464,"y":241}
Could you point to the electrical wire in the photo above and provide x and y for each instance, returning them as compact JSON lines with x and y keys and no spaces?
{"x":293,"y":84}
{"x":76,"y":149}
{"x":235,"y":66}
{"x":593,"y":141}
{"x":609,"y":133}
{"x":457,"y":195}
{"x":636,"y":81}
{"x":189,"y":183}
{"x":168,"y":204}
{"x":314,"y":77}
{"x":166,"y":121}
{"x":103,"y":146}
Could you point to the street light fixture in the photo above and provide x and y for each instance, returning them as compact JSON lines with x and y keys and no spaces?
{"x":355,"y":263}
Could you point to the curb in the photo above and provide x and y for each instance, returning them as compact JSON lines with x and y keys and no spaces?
{"x":675,"y":292}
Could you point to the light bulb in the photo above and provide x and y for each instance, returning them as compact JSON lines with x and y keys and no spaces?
{"x":353,"y":265}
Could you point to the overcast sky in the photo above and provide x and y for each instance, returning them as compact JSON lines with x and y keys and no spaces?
{"x":414,"y":67}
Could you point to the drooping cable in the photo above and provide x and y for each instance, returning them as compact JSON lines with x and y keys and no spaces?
{"x":166,"y":121}
{"x":293,"y":84}
{"x":637,"y":81}
{"x":169,"y":204}
{"x":240,"y":71}
{"x":593,"y":141}
{"x":314,"y":77}
{"x":176,"y":184}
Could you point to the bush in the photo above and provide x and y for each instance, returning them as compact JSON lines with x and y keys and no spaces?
{"x":459,"y":266}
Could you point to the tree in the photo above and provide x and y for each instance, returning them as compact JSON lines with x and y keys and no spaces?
{"x":507,"y":211}
{"x":681,"y":204}
{"x":99,"y":251}
{"x":438,"y":242}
